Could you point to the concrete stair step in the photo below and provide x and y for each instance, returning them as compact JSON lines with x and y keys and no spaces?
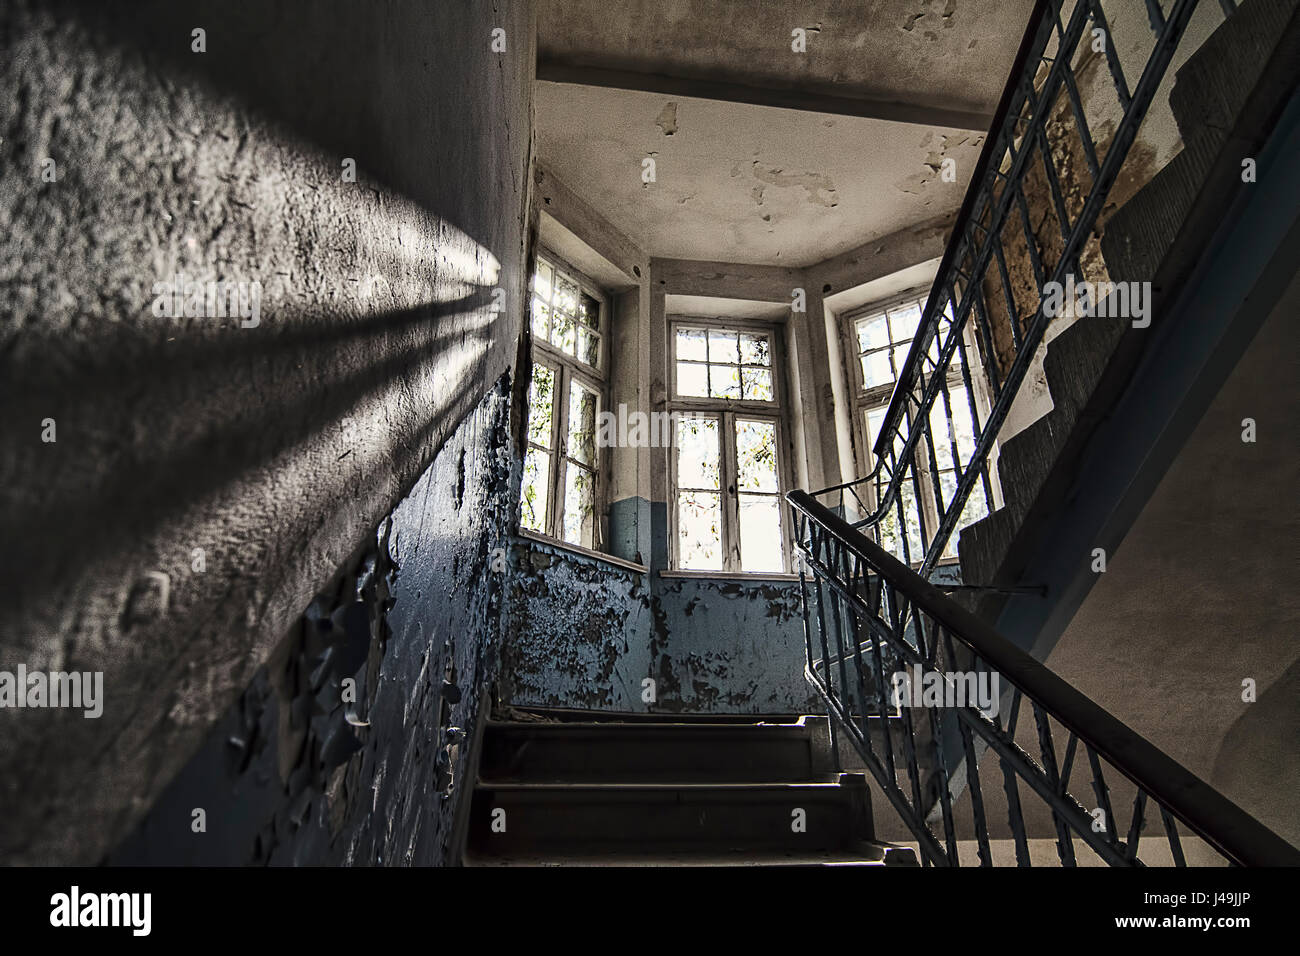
{"x":865,"y":854}
{"x":561,"y":821}
{"x":1214,"y":83}
{"x":597,"y":752}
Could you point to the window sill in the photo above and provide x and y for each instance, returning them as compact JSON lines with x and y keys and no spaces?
{"x":579,"y":550}
{"x":752,"y":576}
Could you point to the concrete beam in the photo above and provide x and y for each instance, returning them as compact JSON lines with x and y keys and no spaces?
{"x":574,"y":213}
{"x":730,"y":280}
{"x":883,"y":256}
{"x":557,"y":70}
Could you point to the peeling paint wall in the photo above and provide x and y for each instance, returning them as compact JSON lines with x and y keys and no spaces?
{"x":209,"y":478}
{"x":300,"y":770}
{"x":587,"y":633}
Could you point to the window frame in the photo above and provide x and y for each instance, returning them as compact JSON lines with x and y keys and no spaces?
{"x":868,"y":399}
{"x":569,"y":369}
{"x":728,"y":411}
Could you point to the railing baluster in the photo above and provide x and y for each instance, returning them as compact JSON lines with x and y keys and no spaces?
{"x":874,"y":595}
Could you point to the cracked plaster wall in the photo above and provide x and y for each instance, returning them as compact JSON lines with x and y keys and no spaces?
{"x":208,"y":479}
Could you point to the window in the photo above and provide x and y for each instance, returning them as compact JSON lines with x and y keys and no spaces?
{"x":560,"y":467}
{"x":882,"y":337}
{"x":727,"y":464}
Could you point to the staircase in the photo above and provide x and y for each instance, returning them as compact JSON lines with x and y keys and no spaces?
{"x":1047,"y":768}
{"x":591,"y":789}
{"x":1225,"y":101}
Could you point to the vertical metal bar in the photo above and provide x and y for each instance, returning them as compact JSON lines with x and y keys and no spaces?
{"x":1112,"y":58}
{"x":1102,"y":793}
{"x":1135,"y":828}
{"x":1064,"y":839}
{"x":1171,"y":831}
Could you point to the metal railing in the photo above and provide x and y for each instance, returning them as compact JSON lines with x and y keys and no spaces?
{"x":870,"y":618}
{"x":903,"y":498}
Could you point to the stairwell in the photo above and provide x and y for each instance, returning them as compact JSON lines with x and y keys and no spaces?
{"x":590,"y":789}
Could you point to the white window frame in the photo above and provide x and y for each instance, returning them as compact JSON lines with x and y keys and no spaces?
{"x":727,"y":411}
{"x":866,"y":400}
{"x":569,"y":369}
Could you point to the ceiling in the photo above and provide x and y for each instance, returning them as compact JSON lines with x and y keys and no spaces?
{"x":890,"y":90}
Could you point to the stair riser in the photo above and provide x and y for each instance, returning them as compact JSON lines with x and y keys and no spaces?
{"x":673,"y":820}
{"x":639,"y":758}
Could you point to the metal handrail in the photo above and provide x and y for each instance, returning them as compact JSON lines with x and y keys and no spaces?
{"x":1018,"y":139}
{"x":854,"y":569}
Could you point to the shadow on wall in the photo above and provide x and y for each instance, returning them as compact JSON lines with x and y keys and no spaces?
{"x":185,"y":485}
{"x":1252,"y":743}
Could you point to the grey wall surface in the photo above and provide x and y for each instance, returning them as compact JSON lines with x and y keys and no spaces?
{"x":208,"y":479}
{"x":1202,"y":595}
{"x":300,"y":771}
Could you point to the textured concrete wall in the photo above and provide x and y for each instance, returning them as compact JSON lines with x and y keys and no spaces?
{"x":207,"y":478}
{"x":301,"y":771}
{"x":1202,"y":595}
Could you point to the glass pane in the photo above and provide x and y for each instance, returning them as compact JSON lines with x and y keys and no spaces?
{"x":962,"y":426}
{"x":754,"y":350}
{"x":589,"y":347}
{"x":542,"y":281}
{"x":697,"y":453}
{"x":537,"y":476}
{"x":889,"y":536}
{"x":541,"y":313}
{"x":589,"y":312}
{"x":692,"y":379}
{"x":699,"y":530}
{"x":756,"y":384}
{"x":582,"y":423}
{"x":723,"y":347}
{"x":875,"y":417}
{"x":566,"y":296}
{"x":579,"y":505}
{"x":873,"y":333}
{"x":760,"y":534}
{"x":563,"y":333}
{"x":756,"y":456}
{"x":903,"y":321}
{"x":691,"y":345}
{"x":724,"y":381}
{"x":541,"y":405}
{"x":876,"y":369}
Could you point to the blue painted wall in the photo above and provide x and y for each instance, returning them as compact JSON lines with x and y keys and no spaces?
{"x":586,"y":633}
